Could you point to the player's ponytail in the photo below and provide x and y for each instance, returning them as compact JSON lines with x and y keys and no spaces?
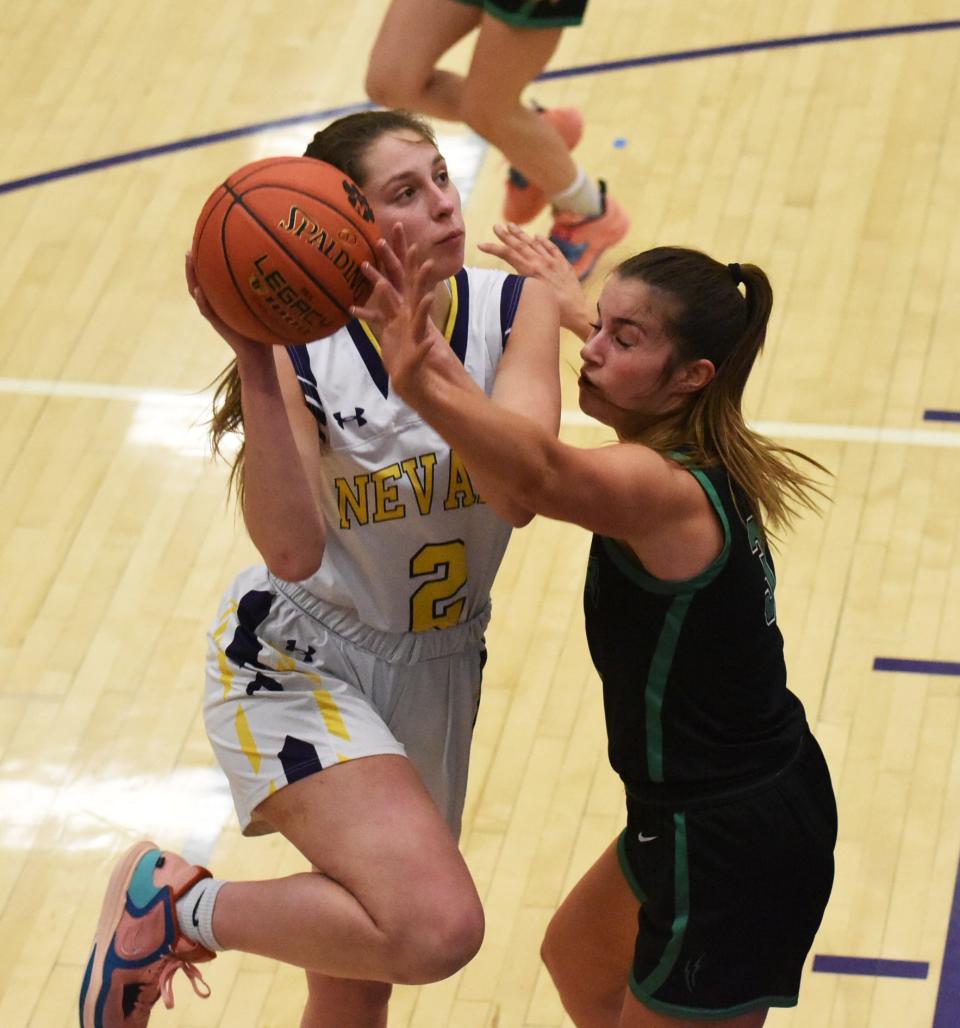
{"x":227,"y":419}
{"x":707,"y":317}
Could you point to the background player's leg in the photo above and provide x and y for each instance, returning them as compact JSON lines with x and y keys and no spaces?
{"x":505,"y":60}
{"x":588,"y":946}
{"x":413,"y":35}
{"x":586,"y":220}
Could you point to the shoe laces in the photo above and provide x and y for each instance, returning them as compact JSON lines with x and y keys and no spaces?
{"x":168,"y":968}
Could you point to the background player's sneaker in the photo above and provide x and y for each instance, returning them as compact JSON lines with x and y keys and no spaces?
{"x":524,"y":201}
{"x":138,"y":946}
{"x":583,"y":240}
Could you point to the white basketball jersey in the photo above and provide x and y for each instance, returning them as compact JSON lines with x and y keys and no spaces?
{"x":410,"y":544}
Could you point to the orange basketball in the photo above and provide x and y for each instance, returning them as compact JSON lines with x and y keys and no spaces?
{"x":278,"y":248}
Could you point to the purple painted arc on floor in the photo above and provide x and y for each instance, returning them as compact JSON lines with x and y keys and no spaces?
{"x":947,"y":1013}
{"x":948,"y":996}
{"x":193,"y":142}
{"x":700,"y":53}
{"x":759,"y":44}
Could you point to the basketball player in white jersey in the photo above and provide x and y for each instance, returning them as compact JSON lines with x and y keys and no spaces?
{"x":344,"y":673}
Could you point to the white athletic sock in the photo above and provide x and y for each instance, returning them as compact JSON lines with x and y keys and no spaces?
{"x":195,"y":913}
{"x":582,"y":196}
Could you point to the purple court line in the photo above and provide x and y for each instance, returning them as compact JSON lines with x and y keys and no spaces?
{"x":760,"y":44}
{"x":917,"y":667}
{"x":584,"y":69}
{"x":190,"y":143}
{"x":948,"y":997}
{"x":875,"y":966}
{"x":948,"y":992}
{"x":947,"y":1014}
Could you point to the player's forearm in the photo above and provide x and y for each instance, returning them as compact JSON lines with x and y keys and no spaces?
{"x":500,"y":500}
{"x":509,"y":455}
{"x":577,"y":320}
{"x":279,"y":508}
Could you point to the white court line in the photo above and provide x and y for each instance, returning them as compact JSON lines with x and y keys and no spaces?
{"x":101,"y":391}
{"x":186,"y":398}
{"x":834,"y":433}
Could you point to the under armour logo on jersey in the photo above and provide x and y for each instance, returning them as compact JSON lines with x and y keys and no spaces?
{"x":262,"y":681}
{"x":358,"y":417}
{"x":305,"y":655}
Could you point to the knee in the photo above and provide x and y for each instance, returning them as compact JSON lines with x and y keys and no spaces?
{"x":391,"y":86}
{"x":379,"y":86}
{"x":440,"y":945}
{"x":585,"y":998}
{"x":551,"y":954}
{"x":547,"y":956}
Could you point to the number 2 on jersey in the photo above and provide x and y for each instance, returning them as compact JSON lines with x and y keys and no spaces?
{"x":433,"y":604}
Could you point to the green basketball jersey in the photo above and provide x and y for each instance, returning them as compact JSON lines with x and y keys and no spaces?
{"x":694,"y":681}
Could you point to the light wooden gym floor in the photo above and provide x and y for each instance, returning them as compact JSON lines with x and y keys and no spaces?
{"x":834,"y":164}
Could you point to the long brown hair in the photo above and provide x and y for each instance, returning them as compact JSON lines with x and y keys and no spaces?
{"x":344,"y":144}
{"x":707,"y":316}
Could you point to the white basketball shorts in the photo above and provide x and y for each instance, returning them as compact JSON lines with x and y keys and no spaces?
{"x":295,"y":685}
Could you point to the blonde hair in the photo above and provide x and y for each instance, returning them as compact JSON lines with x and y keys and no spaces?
{"x":708,"y":317}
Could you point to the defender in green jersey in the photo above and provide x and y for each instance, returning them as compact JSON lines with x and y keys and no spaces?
{"x":726,"y":862}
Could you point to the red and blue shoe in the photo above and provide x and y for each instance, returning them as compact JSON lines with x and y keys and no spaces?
{"x":584,"y":240}
{"x":139,"y":946}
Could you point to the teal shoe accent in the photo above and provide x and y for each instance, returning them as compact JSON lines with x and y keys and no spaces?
{"x":142,"y":892}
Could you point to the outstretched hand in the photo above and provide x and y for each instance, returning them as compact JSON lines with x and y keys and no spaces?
{"x":539,"y":257}
{"x":399,"y":305}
